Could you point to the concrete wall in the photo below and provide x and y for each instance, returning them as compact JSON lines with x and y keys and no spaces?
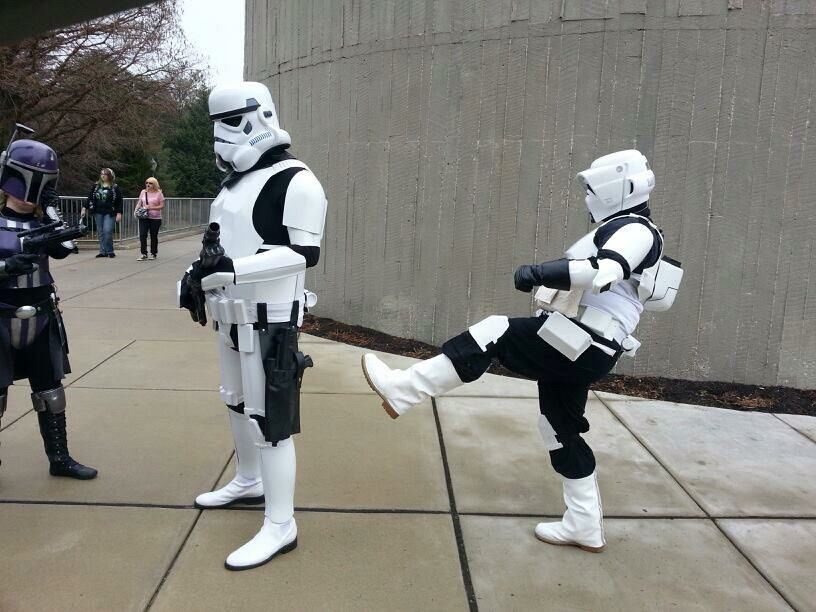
{"x":448,"y":133}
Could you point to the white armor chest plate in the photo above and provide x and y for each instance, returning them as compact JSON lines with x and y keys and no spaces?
{"x":275,"y":277}
{"x":233,"y":208}
{"x":621,"y":301}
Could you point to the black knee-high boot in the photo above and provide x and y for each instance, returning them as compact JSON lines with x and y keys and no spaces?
{"x":55,"y":439}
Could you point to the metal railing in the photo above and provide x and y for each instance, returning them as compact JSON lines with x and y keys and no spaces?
{"x":178,"y":215}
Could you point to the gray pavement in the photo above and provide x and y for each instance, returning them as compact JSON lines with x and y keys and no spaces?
{"x":707,"y":509}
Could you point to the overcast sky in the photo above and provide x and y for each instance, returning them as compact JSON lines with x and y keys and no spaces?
{"x":216,"y":29}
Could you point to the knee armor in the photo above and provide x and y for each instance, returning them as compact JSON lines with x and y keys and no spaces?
{"x":52,"y":400}
{"x":574,"y":459}
{"x":472,"y":351}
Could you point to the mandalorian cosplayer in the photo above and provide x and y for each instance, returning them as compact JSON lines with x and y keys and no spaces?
{"x":33,"y":343}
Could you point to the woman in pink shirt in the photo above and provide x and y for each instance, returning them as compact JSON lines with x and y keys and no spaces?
{"x":150,"y":198}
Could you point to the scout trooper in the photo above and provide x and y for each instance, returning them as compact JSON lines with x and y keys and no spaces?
{"x":265,"y":230}
{"x":602,"y":286}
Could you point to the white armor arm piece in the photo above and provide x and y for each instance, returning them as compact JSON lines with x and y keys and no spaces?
{"x":304,"y":210}
{"x":272,"y":264}
{"x":632,"y":243}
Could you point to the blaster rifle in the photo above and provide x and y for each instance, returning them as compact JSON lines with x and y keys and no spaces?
{"x":211,"y":249}
{"x":209,"y":257}
{"x":37,"y":239}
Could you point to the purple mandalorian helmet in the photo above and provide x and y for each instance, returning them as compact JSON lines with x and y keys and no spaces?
{"x":26,"y":168}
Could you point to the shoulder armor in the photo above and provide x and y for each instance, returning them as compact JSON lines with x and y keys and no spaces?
{"x":583,"y":248}
{"x":305,"y":205}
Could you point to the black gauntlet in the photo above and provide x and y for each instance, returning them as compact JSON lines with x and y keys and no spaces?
{"x":552,"y":274}
{"x":21,"y":263}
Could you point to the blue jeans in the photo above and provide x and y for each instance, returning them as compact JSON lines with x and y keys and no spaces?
{"x":104,"y":226}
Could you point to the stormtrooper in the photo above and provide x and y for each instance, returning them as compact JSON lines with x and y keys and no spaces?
{"x":591,"y":302}
{"x":33,"y":342}
{"x":265,"y":229}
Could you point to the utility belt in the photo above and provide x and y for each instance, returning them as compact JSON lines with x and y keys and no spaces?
{"x":45,"y":307}
{"x":236,"y":311}
{"x":592,"y":327}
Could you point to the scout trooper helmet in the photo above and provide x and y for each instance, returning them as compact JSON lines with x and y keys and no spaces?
{"x":616,"y":182}
{"x":245,"y":125}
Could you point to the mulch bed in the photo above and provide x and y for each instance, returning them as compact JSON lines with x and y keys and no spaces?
{"x":751,"y":398}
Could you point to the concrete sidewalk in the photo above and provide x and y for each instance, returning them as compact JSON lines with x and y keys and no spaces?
{"x":707,"y":509}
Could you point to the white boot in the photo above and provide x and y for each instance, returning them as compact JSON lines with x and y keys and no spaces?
{"x":403,"y":389}
{"x":582,"y":525}
{"x":246,"y":487}
{"x":278,"y":535}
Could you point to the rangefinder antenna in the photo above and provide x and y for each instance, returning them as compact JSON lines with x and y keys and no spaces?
{"x":18,"y":127}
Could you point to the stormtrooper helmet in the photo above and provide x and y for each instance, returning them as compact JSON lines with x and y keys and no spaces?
{"x":616,"y":182}
{"x":245,"y":125}
{"x":27,"y":169}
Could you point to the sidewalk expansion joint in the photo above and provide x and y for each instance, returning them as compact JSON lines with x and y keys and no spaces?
{"x":713,"y":520}
{"x":70,"y":384}
{"x":457,"y":526}
{"x":173,"y":561}
{"x":801,"y":433}
{"x":121,"y":278}
{"x":417,"y":511}
{"x":105,"y":360}
{"x":183,"y":544}
{"x":98,"y":504}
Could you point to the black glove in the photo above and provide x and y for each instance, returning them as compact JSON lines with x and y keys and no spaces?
{"x":211,"y":254}
{"x":191,"y":296}
{"x":21,"y":263}
{"x":524,"y":278}
{"x":553,"y":274}
{"x":199,"y":271}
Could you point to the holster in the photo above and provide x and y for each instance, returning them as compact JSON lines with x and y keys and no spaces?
{"x":284,"y":366}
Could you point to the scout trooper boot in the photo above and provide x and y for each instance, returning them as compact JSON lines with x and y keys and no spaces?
{"x":400,"y":390}
{"x":582,"y":524}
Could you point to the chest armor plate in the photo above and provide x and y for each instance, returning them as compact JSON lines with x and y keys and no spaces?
{"x":10,"y":245}
{"x":232,"y":210}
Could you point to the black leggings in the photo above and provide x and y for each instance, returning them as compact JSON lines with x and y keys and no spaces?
{"x":152,"y":226}
{"x":562,"y":384}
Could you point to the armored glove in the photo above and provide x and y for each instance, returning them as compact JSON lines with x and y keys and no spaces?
{"x":21,"y":263}
{"x":552,"y":274}
{"x":191,"y":296}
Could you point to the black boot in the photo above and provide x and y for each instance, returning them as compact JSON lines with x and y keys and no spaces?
{"x":55,"y":439}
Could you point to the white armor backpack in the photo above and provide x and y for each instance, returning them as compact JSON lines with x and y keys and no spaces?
{"x":658,"y":284}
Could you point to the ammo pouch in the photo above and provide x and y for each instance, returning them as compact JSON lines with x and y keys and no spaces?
{"x":572,"y":339}
{"x":565,"y":336}
{"x":283,"y":365}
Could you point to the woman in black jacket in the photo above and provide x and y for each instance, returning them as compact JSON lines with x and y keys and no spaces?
{"x":105,"y":203}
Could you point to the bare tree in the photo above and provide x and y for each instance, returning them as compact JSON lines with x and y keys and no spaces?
{"x":95,"y":89}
